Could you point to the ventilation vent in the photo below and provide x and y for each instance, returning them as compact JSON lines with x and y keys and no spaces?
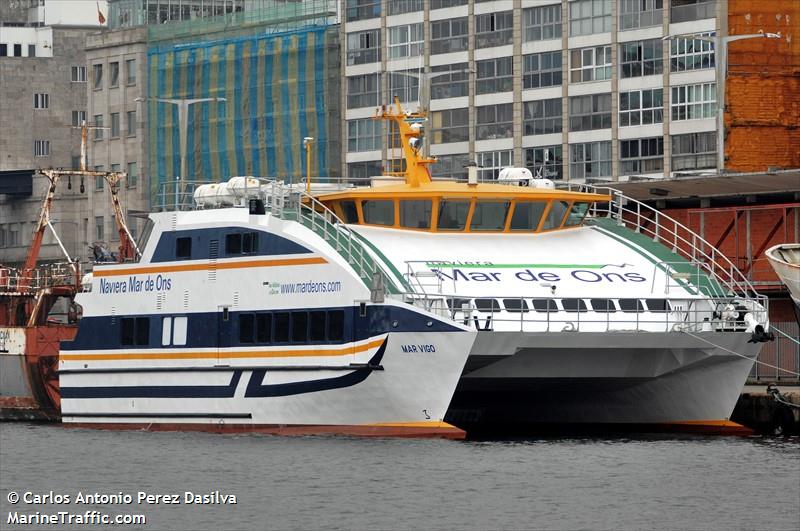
{"x":174,"y":221}
{"x":186,"y":299}
{"x":113,"y":315}
{"x":213,"y":255}
{"x":235,"y":299}
{"x":160,"y":297}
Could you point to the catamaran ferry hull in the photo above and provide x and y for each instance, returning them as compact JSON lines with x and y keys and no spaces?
{"x":527,"y":382}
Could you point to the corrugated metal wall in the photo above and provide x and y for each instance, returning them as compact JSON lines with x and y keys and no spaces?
{"x":279,"y":89}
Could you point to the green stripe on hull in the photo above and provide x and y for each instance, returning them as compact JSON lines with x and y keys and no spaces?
{"x":518,"y":266}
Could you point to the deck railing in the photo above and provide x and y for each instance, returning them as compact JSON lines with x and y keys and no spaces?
{"x":44,"y":276}
{"x":644,"y":219}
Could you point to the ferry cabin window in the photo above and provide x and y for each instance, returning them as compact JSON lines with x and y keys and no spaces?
{"x":179,"y":328}
{"x":281,"y":333}
{"x":657,"y":305}
{"x":544,"y":305}
{"x":378,"y":212}
{"x":316,"y":326}
{"x":249,"y":242}
{"x":247,"y":328}
{"x":603,"y":305}
{"x":453,"y":214}
{"x":299,"y":327}
{"x":489,"y":215}
{"x":527,"y":215}
{"x":264,"y":327}
{"x":457,"y":303}
{"x":135,"y":330}
{"x":335,"y":325}
{"x":576,"y":214}
{"x":183,"y":248}
{"x":516,"y":305}
{"x":574,"y":305}
{"x":349,"y":211}
{"x":166,"y":331}
{"x":415,"y":214}
{"x":556,"y":215}
{"x":487,"y":305}
{"x":233,"y":244}
{"x":239,"y":243}
{"x":631,"y":305}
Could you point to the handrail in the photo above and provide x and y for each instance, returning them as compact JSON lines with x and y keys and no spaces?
{"x":683,"y":240}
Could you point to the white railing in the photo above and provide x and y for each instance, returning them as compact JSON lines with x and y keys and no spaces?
{"x":663,"y":229}
{"x":577,"y":314}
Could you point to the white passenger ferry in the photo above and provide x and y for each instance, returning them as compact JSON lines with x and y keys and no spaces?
{"x":354,"y":311}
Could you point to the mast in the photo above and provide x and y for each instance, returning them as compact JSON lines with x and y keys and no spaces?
{"x":410,"y":126}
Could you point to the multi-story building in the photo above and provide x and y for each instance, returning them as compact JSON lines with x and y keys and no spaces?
{"x":43,"y":78}
{"x":572,"y":89}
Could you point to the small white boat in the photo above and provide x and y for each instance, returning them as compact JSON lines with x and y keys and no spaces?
{"x":785,"y":260}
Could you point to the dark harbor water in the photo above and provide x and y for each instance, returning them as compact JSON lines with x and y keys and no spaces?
{"x":647,"y":482}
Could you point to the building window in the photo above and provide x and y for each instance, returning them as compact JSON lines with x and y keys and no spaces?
{"x":3,"y":49}
{"x":541,"y":70}
{"x":687,"y":10}
{"x":114,"y":125}
{"x":450,"y":167}
{"x":449,"y":35}
{"x":592,"y":111}
{"x":41,"y":148}
{"x":130,"y":121}
{"x":692,"y":102}
{"x":450,"y":126}
{"x":541,"y":23}
{"x":590,"y":160}
{"x":442,"y":4}
{"x":405,"y":87}
{"x":362,"y":9}
{"x":363,"y":47}
{"x":361,"y":171}
{"x":75,"y":162}
{"x":641,"y":155}
{"x":113,"y":74}
{"x":695,"y":151}
{"x":491,"y":162}
{"x":494,"y":75}
{"x":452,"y":81}
{"x":640,"y":14}
{"x":641,"y":107}
{"x":643,"y":58}
{"x":97,"y":76}
{"x":495,"y":121}
{"x":363,"y":135}
{"x":99,"y":229}
{"x":78,"y":74}
{"x":691,"y":54}
{"x":130,"y":71}
{"x":494,"y":29}
{"x":99,"y":181}
{"x":41,"y":101}
{"x":590,"y":64}
{"x":31,"y":50}
{"x":542,"y":117}
{"x":362,"y":91}
{"x":17,"y":50}
{"x":78,"y":117}
{"x":589,"y":16}
{"x":405,"y":41}
{"x":545,"y":162}
{"x":133,"y":175}
{"x":398,"y":7}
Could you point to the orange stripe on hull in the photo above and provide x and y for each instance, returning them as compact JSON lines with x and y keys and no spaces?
{"x":222,"y":355}
{"x":717,"y":427}
{"x":177,"y":268}
{"x":434,"y":430}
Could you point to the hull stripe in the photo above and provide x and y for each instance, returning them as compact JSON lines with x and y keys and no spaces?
{"x":204,"y":266}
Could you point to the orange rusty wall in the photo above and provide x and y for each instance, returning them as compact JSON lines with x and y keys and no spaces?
{"x":762,"y":116}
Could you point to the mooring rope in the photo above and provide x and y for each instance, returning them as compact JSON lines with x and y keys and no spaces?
{"x":784,"y":334}
{"x":793,"y":373}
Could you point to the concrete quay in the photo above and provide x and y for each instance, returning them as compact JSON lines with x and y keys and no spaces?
{"x":763,"y":410}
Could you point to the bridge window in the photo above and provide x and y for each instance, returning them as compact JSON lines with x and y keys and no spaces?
{"x":233,"y":244}
{"x":416,"y":214}
{"x":349,"y":211}
{"x":544,"y":305}
{"x":574,"y":305}
{"x":603,"y":305}
{"x":378,"y":212}
{"x":281,"y":334}
{"x":516,"y":305}
{"x":135,"y":330}
{"x":335,"y":325}
{"x":555,"y":215}
{"x":631,"y":305}
{"x":527,"y":215}
{"x":239,"y":243}
{"x":489,"y":215}
{"x":299,"y":327}
{"x":453,"y":214}
{"x":576,"y":214}
{"x":316,"y":329}
{"x":183,"y":248}
{"x":487,"y":305}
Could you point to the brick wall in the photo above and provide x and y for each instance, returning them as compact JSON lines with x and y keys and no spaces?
{"x":762,"y":116}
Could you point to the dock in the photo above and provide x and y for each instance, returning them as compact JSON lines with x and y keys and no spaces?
{"x":769,"y":409}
